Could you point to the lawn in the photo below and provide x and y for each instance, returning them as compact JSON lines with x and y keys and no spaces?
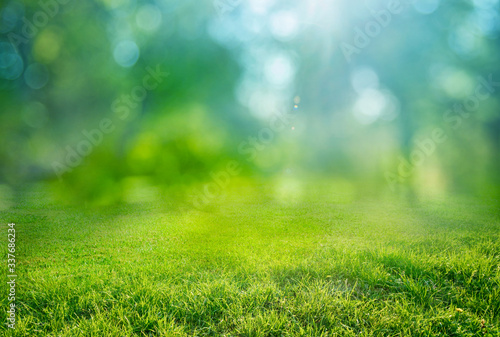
{"x":284,"y":259}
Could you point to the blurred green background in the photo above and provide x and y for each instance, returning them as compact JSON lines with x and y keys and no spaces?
{"x":120,"y":100}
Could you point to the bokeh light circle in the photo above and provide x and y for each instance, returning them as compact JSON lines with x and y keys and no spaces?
{"x":148,"y":18}
{"x":126,"y":53}
{"x":11,"y":64}
{"x":36,"y":76}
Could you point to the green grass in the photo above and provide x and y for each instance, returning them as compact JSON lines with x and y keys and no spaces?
{"x":261,"y":261}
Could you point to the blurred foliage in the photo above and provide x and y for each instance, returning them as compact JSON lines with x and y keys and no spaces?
{"x":232,"y":66}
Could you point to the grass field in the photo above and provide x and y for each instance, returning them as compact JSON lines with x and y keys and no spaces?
{"x":308,"y":261}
